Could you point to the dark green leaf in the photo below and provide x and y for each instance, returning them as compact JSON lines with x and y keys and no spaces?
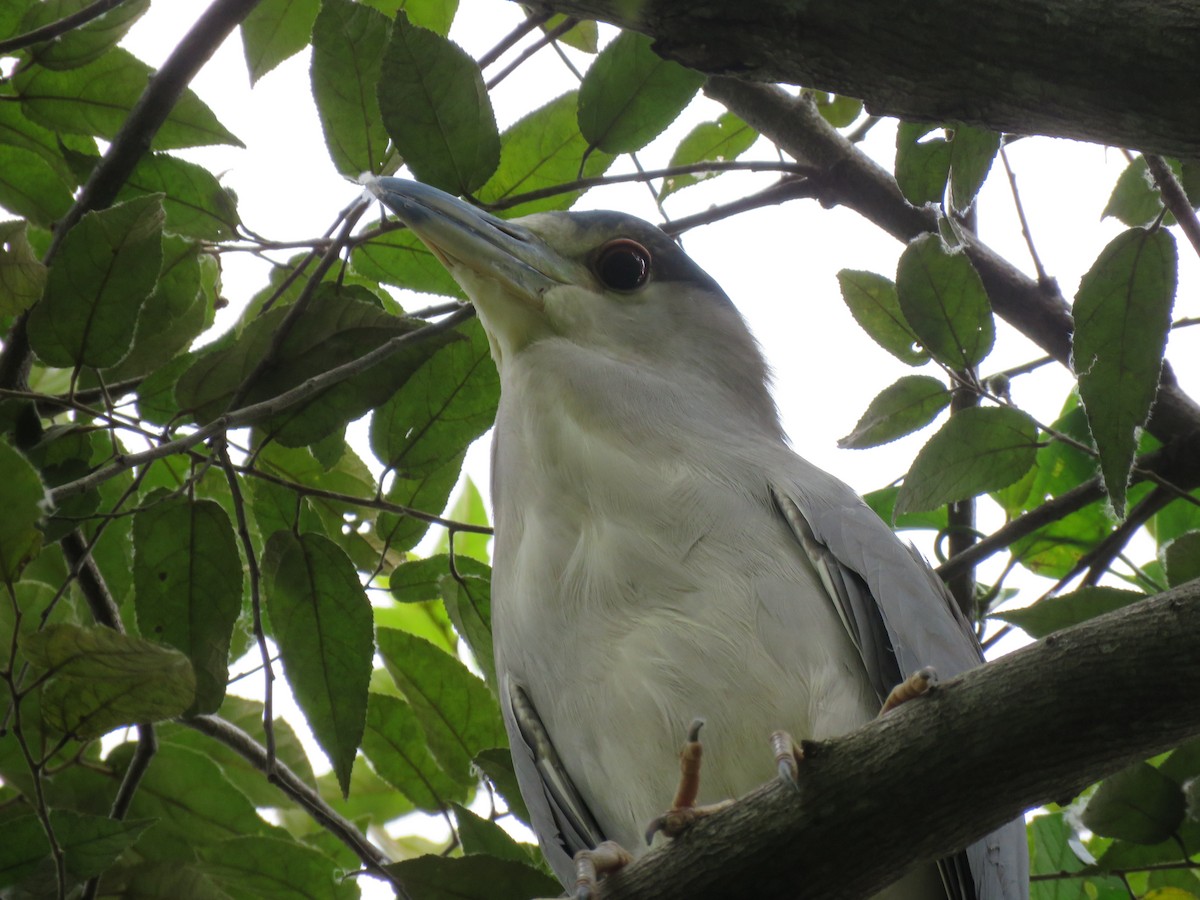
{"x":336,"y":328}
{"x":437,"y":111}
{"x":971,"y":154}
{"x":399,"y":258}
{"x":873,"y":302}
{"x":1139,"y":804}
{"x":1055,"y":613}
{"x":90,"y":844}
{"x":944,"y":302}
{"x":194,"y":202}
{"x":1122,"y":315}
{"x":269,"y":868}
{"x":83,"y":43}
{"x":419,"y":579}
{"x":911,"y":403}
{"x":468,"y":600}
{"x":428,"y":494}
{"x":483,"y":836}
{"x":31,"y":188}
{"x":101,"y":679}
{"x":22,"y":275}
{"x":188,"y":587}
{"x":883,"y":502}
{"x":457,"y":711}
{"x":96,"y":99}
{"x":105,"y":268}
{"x":726,"y":138}
{"x":275,"y":30}
{"x":448,"y":403}
{"x":630,"y":94}
{"x":979,"y":449}
{"x":396,"y":747}
{"x":322,"y":623}
{"x":542,"y":150}
{"x":22,"y":496}
{"x":473,"y":878}
{"x":1182,"y":558}
{"x":922,"y":166}
{"x":497,"y":765}
{"x":348,"y":41}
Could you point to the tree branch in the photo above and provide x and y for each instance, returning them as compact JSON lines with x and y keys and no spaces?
{"x":1043,"y":723}
{"x":1123,"y":72}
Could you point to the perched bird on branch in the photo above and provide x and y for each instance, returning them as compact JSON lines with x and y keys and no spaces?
{"x":662,"y":555}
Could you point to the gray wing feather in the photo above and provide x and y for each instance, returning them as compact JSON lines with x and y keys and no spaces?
{"x":901,"y":618}
{"x":562,"y":821}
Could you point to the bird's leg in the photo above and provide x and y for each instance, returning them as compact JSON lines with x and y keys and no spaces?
{"x":607,"y":857}
{"x":684,"y":812}
{"x":915,"y":685}
{"x":788,"y":756}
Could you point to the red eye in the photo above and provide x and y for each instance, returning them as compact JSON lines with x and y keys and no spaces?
{"x":623,"y":265}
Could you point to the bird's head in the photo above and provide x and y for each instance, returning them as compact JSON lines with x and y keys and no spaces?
{"x":605,"y":281}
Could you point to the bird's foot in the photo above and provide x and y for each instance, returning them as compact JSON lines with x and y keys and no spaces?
{"x":590,"y":865}
{"x":684,"y":812}
{"x":915,"y":685}
{"x":788,"y":756}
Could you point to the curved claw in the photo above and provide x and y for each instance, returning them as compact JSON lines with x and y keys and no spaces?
{"x":787,"y":758}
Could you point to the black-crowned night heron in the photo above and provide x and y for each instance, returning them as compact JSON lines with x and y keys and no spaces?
{"x":661,"y":553}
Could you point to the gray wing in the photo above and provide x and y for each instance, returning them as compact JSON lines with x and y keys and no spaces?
{"x":562,"y":821}
{"x":901,"y":618}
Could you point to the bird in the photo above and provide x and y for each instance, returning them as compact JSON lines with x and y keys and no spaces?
{"x":661,"y":553}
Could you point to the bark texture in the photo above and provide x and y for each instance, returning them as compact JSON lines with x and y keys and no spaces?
{"x":1125,"y":72}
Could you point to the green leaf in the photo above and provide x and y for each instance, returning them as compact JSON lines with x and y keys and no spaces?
{"x":922,"y":166}
{"x":100,"y":679}
{"x":630,"y":94}
{"x":835,"y":109}
{"x":16,"y":130}
{"x":22,"y":497}
{"x":188,"y":587}
{"x":97,"y":98}
{"x":449,"y":402}
{"x":1135,"y":199}
{"x":458,"y":713}
{"x":194,"y":202}
{"x":468,"y":600}
{"x":436,"y":15}
{"x":944,"y":302}
{"x":1122,"y":315}
{"x":1138,"y":804}
{"x":322,"y":623}
{"x":906,"y":406}
{"x":1056,"y":613}
{"x":472,"y":878}
{"x":269,"y":868}
{"x":105,"y":268}
{"x":22,"y":274}
{"x":979,"y":449}
{"x":83,"y":43}
{"x":497,"y":765}
{"x":337,"y":327}
{"x":31,"y":188}
{"x":427,"y":493}
{"x":1181,"y":557}
{"x":396,"y":747}
{"x":883,"y":502}
{"x":584,"y":35}
{"x":726,"y":138}
{"x":419,"y":580}
{"x":275,"y":30}
{"x":873,"y":302}
{"x":90,"y":845}
{"x":483,"y":836}
{"x":972,"y":152}
{"x":401,"y":259}
{"x":348,"y":43}
{"x":469,"y":508}
{"x":543,"y":150}
{"x":437,"y":111}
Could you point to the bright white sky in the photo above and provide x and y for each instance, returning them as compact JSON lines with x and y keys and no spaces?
{"x":778,"y":265}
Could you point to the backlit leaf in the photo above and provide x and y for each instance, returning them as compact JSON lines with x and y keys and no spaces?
{"x":909,"y":404}
{"x":944,"y":302}
{"x":873,"y":302}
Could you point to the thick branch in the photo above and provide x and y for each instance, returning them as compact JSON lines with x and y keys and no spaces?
{"x":1121,"y":72}
{"x":1042,"y":722}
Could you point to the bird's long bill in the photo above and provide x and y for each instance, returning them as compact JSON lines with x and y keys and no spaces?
{"x":469,"y":240}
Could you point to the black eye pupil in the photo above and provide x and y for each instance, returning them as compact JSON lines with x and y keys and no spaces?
{"x":623,"y":265}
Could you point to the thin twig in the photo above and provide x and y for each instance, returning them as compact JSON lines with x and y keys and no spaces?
{"x":1028,"y":235}
{"x":60,"y":27}
{"x":512,"y":38}
{"x":549,"y":37}
{"x":1174,"y":198}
